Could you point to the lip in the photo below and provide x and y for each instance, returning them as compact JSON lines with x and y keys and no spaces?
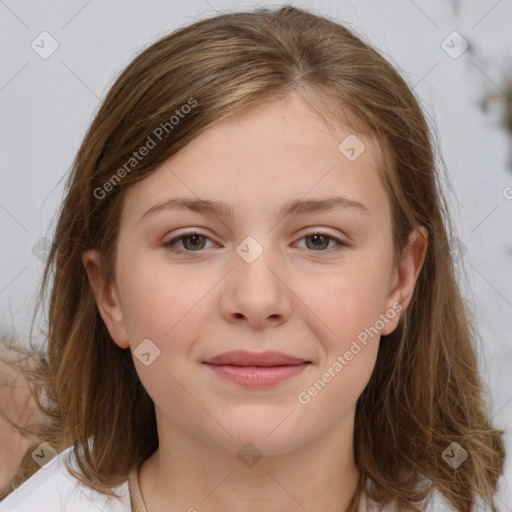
{"x":246,"y":358}
{"x":253,"y":369}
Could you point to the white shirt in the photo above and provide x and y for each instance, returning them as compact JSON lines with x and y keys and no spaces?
{"x":54,"y":489}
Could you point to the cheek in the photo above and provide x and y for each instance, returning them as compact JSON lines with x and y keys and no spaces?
{"x":350,"y":305}
{"x":352,"y":342}
{"x":335,"y":389}
{"x":349,"y":299}
{"x":156,"y":297}
{"x":161,"y":304}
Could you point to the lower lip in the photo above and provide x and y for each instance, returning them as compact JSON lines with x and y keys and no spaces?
{"x":257,"y":376}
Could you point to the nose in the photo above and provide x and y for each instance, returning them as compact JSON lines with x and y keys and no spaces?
{"x":256,"y":291}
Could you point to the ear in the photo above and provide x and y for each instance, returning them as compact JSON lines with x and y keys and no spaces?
{"x":405,"y":275}
{"x":107,"y":299}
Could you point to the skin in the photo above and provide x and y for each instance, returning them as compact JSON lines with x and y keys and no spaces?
{"x":306,"y":297}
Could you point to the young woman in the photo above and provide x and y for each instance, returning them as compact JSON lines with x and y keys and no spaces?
{"x":253,"y":303}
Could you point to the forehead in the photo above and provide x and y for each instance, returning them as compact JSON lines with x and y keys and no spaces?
{"x":264,"y":156}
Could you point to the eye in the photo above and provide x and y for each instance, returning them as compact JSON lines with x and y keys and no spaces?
{"x":319,"y":241}
{"x":192,"y":241}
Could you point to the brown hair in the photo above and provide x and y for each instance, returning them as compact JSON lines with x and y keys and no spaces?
{"x":425,"y":391}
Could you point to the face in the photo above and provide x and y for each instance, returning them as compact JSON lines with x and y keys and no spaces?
{"x":317,"y":282}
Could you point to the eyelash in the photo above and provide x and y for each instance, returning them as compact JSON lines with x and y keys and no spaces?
{"x":168,"y":245}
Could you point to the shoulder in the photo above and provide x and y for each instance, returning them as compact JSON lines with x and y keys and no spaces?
{"x":53,"y":488}
{"x":435,"y":503}
{"x":438,"y":503}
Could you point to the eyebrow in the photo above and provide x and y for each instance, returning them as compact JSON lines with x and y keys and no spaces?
{"x":293,"y":207}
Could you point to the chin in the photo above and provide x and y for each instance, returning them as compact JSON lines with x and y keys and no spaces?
{"x":266,"y":440}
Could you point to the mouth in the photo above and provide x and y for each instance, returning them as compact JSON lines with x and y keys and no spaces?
{"x":245,"y":358}
{"x":251,"y":369}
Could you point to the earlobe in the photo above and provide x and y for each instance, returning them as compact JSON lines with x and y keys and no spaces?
{"x":106,"y":299}
{"x":405,"y":276}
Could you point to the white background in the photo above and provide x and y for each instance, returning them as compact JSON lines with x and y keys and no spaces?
{"x":47,"y":104}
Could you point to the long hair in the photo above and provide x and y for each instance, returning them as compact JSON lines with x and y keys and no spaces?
{"x":425,"y":392}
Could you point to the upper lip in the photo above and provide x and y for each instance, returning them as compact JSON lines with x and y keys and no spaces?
{"x":245,"y":358}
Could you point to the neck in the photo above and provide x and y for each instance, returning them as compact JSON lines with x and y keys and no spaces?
{"x":187,"y":474}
